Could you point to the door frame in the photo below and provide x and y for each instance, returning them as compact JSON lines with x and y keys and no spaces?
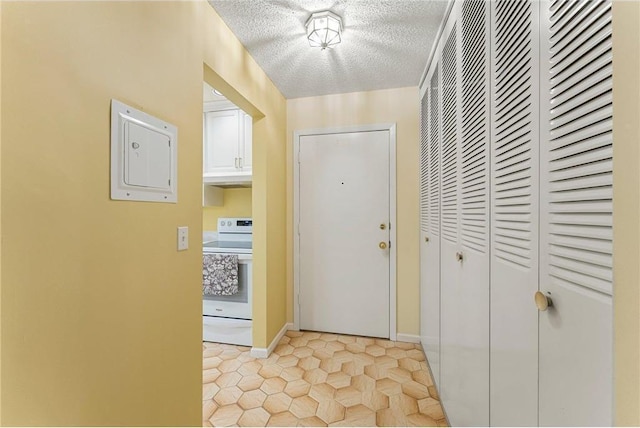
{"x":391,"y":127}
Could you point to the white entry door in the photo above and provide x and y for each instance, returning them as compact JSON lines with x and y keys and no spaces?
{"x":344,"y":220}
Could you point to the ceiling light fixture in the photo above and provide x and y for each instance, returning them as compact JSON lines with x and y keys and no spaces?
{"x":324,"y":29}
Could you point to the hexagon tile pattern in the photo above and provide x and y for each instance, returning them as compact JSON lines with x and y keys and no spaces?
{"x":316,"y":379}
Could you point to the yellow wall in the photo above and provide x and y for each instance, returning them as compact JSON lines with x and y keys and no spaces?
{"x":234,"y":68}
{"x":0,"y":210}
{"x":237,"y":203}
{"x":101,"y":316}
{"x":237,"y":69}
{"x":360,"y":108}
{"x":626,"y":211}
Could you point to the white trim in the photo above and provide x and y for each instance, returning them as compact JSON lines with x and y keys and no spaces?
{"x":393,"y":238}
{"x":410,"y":338}
{"x":436,"y":41}
{"x":391,"y":127}
{"x":218,"y":105}
{"x":427,"y":81}
{"x":265,"y":352}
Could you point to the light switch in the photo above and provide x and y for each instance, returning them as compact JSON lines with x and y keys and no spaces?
{"x":183,"y":238}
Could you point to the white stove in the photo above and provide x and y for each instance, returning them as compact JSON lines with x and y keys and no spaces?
{"x":228,"y":247}
{"x":235,"y":236}
{"x":227,"y":319}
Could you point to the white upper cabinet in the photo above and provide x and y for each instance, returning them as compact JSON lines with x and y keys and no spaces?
{"x":245,"y":149}
{"x":227,"y":147}
{"x":221,"y":141}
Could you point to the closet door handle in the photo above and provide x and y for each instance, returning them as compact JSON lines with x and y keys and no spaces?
{"x":542,"y":301}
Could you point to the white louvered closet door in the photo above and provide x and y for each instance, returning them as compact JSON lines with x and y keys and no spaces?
{"x":514,"y":211}
{"x":576,"y":214}
{"x":465,"y":216}
{"x":450,"y":366}
{"x":430,"y":221}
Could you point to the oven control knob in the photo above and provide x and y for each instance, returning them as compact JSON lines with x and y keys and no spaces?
{"x":228,"y":223}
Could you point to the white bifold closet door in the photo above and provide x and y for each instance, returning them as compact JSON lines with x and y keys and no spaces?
{"x":430,"y":222}
{"x":576,"y":214}
{"x":514,"y":211}
{"x":464,"y":258}
{"x":516,"y":199}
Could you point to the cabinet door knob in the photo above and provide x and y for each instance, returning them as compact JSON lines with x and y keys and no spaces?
{"x":426,"y":239}
{"x":383,"y":226}
{"x":542,"y":301}
{"x":459,"y":257}
{"x":382,"y":245}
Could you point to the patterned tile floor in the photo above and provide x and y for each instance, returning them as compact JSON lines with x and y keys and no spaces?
{"x":315,"y":379}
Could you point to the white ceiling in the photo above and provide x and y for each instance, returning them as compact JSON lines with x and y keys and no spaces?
{"x":385,"y":44}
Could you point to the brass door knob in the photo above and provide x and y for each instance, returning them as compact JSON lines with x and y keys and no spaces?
{"x":382,"y":245}
{"x":459,"y":257}
{"x":542,"y":301}
{"x":426,"y":239}
{"x":383,"y":226}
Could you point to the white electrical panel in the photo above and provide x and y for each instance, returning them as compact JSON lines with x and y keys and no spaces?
{"x":143,"y":156}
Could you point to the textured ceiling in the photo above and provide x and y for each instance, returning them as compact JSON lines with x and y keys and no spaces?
{"x":385,"y":44}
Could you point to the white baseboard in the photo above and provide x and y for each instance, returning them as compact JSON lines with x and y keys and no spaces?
{"x":265,"y":352}
{"x":411,"y":338}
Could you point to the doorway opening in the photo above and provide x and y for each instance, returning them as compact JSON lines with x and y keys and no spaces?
{"x":227,"y":224}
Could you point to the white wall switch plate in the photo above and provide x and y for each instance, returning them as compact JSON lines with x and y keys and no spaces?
{"x":183,"y":238}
